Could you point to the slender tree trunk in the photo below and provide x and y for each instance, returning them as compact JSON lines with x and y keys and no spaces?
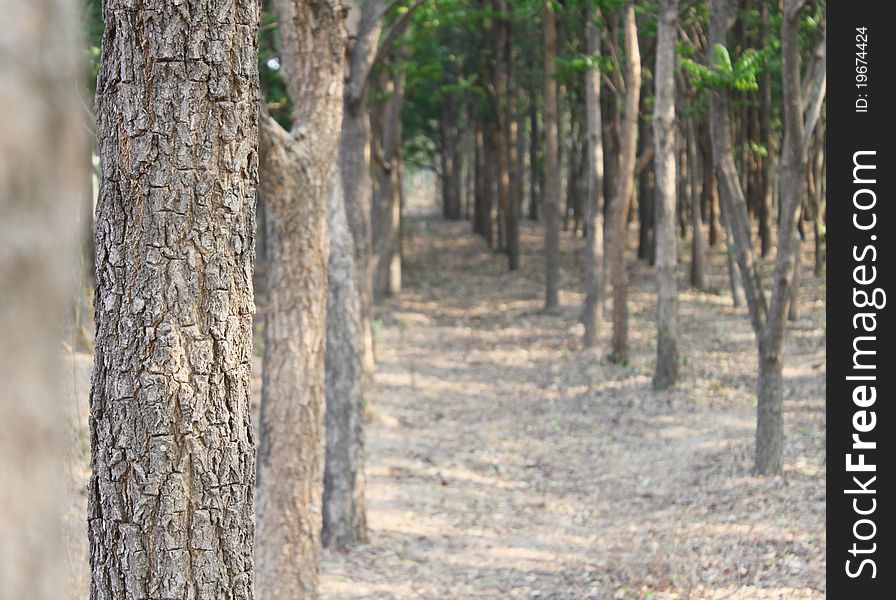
{"x":622,"y":191}
{"x":766,"y":230}
{"x":387,"y":207}
{"x":170,"y":501}
{"x":344,"y":509}
{"x":296,"y":175}
{"x":664,"y":163}
{"x":507,"y":158}
{"x":479,"y":182}
{"x":42,"y":175}
{"x":450,"y":133}
{"x":819,"y":209}
{"x":710,"y":189}
{"x":698,"y":243}
{"x":767,"y":316}
{"x":535,"y":188}
{"x":551,"y":195}
{"x":594,"y":211}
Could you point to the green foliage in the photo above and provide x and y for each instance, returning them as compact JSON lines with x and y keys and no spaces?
{"x":741,"y":75}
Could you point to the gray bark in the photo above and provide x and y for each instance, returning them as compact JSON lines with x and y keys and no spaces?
{"x":170,"y":501}
{"x":594,"y":209}
{"x":551,"y":195}
{"x":666,"y":373}
{"x":622,"y":189}
{"x":296,"y":175}
{"x":344,"y":515}
{"x":42,"y":171}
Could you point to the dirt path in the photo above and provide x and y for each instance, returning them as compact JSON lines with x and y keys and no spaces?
{"x":504,"y":462}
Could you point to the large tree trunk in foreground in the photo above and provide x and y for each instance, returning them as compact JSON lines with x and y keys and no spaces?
{"x":594,"y":208}
{"x":42,"y":171}
{"x":344,"y":514}
{"x":622,"y":189}
{"x":666,"y":243}
{"x":171,"y":495}
{"x":296,"y":176}
{"x":551,"y":195}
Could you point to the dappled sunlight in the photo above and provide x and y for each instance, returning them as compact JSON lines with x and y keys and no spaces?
{"x":503,"y":460}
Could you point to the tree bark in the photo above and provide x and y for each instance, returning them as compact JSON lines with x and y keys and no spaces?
{"x":42,"y":175}
{"x":622,"y":189}
{"x":698,"y":242}
{"x":344,"y":515}
{"x":767,"y":316}
{"x":535,"y":188}
{"x":664,"y":164}
{"x":386,"y":201}
{"x":296,"y":174}
{"x":594,"y":211}
{"x":170,"y":501}
{"x":551,"y":197}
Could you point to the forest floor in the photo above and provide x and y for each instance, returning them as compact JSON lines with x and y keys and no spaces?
{"x":503,"y":461}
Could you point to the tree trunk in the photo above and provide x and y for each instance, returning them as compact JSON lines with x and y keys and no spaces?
{"x":698,"y":243}
{"x":344,"y":510}
{"x":551,"y":195}
{"x":42,"y":172}
{"x":354,"y":159}
{"x":766,"y":180}
{"x":450,"y":133}
{"x":170,"y":501}
{"x":664,"y":163}
{"x":622,"y":191}
{"x":768,"y":317}
{"x":296,"y":174}
{"x":386,"y":202}
{"x":594,"y":211}
{"x":819,"y":206}
{"x":535,"y":188}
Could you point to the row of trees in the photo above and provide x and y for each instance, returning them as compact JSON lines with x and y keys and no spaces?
{"x":700,"y":120}
{"x":506,"y":100}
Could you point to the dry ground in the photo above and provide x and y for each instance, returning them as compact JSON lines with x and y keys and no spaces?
{"x":506,"y":462}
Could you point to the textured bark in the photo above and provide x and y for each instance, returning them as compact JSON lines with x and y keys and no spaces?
{"x":296,"y":176}
{"x":344,"y":516}
{"x":551,"y":196}
{"x":622,"y":189}
{"x":666,"y":373}
{"x":352,"y":302}
{"x":42,"y":173}
{"x":594,"y":208}
{"x":170,"y":501}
